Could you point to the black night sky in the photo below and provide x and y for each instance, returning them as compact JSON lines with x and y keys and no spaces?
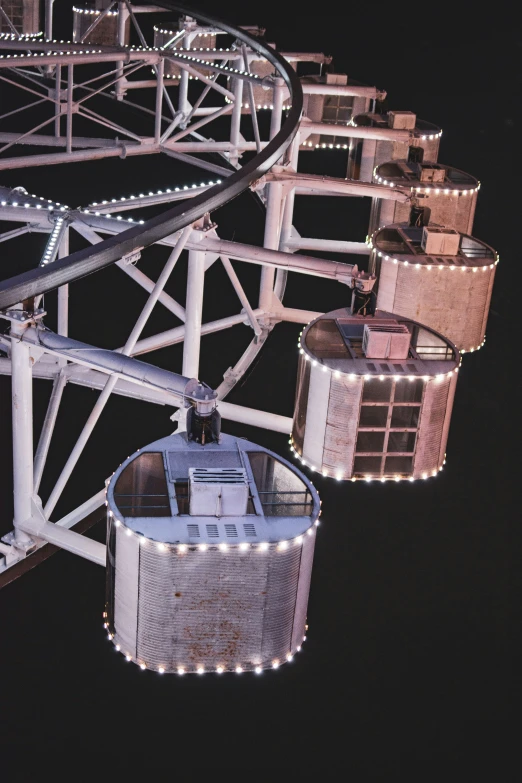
{"x":414,"y":648}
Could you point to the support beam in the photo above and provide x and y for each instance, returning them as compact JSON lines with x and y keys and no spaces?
{"x":194,"y":311}
{"x":132,"y":271}
{"x":238,"y":288}
{"x":22,"y":409}
{"x":177,"y":335}
{"x":73,"y":542}
{"x":271,"y":242}
{"x":47,"y":430}
{"x":111,"y":382}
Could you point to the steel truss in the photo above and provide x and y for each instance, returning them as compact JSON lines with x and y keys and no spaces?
{"x":64,"y":84}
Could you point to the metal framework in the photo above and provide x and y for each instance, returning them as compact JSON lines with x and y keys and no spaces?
{"x":65,"y":89}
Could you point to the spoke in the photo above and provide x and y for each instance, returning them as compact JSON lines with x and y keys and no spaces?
{"x":112,"y":380}
{"x":22,"y":108}
{"x":92,"y":93}
{"x":214,"y":85}
{"x":27,"y":89}
{"x":92,"y":115}
{"x":25,"y":135}
{"x":204,"y":121}
{"x":252,"y":102}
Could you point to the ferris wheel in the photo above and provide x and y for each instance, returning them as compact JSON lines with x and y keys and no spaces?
{"x":376,"y":378}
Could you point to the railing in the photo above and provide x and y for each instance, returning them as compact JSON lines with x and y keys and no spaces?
{"x":135,"y":507}
{"x":286,"y":504}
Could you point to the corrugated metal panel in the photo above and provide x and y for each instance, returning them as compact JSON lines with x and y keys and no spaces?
{"x":453,"y":303}
{"x":316,"y":414}
{"x":278,"y":621}
{"x":491,"y":279}
{"x":341,"y":428}
{"x":387,"y":286}
{"x":303,"y":590}
{"x":201,"y":608}
{"x":447,"y":420}
{"x":126,"y":591}
{"x":217,"y":608}
{"x":301,"y":402}
{"x":432,"y":418}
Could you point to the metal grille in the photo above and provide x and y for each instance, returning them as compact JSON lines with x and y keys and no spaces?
{"x":219,"y":609}
{"x":434,"y":413}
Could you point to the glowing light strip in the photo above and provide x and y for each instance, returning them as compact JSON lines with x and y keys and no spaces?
{"x":175,"y":32}
{"x":427,"y":190}
{"x":416,"y":133}
{"x":339,"y":476}
{"x":200,"y":669}
{"x":354,"y":376}
{"x":151,"y":193}
{"x":428,"y":267}
{"x":244,"y":546}
{"x":19,"y":36}
{"x":48,"y":54}
{"x":92,"y":12}
{"x":61,"y":208}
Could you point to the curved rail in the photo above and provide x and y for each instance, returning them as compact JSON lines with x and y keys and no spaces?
{"x":85,"y":262}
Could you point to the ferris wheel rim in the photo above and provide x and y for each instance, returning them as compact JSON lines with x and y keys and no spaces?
{"x":84,"y":262}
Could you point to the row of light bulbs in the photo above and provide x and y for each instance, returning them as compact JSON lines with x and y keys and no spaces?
{"x":428,"y":191}
{"x":259,"y":106}
{"x":62,"y":208}
{"x":208,"y":63}
{"x":429,"y":267}
{"x":154,"y":193}
{"x":50,"y":206}
{"x":48,"y":54}
{"x":324,"y":146}
{"x":476,"y":348}
{"x":340,"y":476}
{"x":182,"y":549}
{"x":352,"y":376}
{"x":19,"y":36}
{"x":175,"y":32}
{"x":181,"y":670}
{"x":424,"y":137}
{"x":49,"y":251}
{"x":92,"y":12}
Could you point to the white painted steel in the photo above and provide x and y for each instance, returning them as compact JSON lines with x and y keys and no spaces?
{"x":66,"y":539}
{"x":22,"y":411}
{"x":194,"y":310}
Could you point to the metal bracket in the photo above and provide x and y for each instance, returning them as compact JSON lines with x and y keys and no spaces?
{"x":205,"y":224}
{"x":23,"y":548}
{"x":132,"y":257}
{"x":23,"y":316}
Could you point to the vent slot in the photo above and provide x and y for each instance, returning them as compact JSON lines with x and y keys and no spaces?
{"x":212,"y":531}
{"x":250,"y":530}
{"x":398,"y":367}
{"x":193,"y":531}
{"x":412,"y":367}
{"x":371,"y":366}
{"x":384,"y":367}
{"x":231,"y":531}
